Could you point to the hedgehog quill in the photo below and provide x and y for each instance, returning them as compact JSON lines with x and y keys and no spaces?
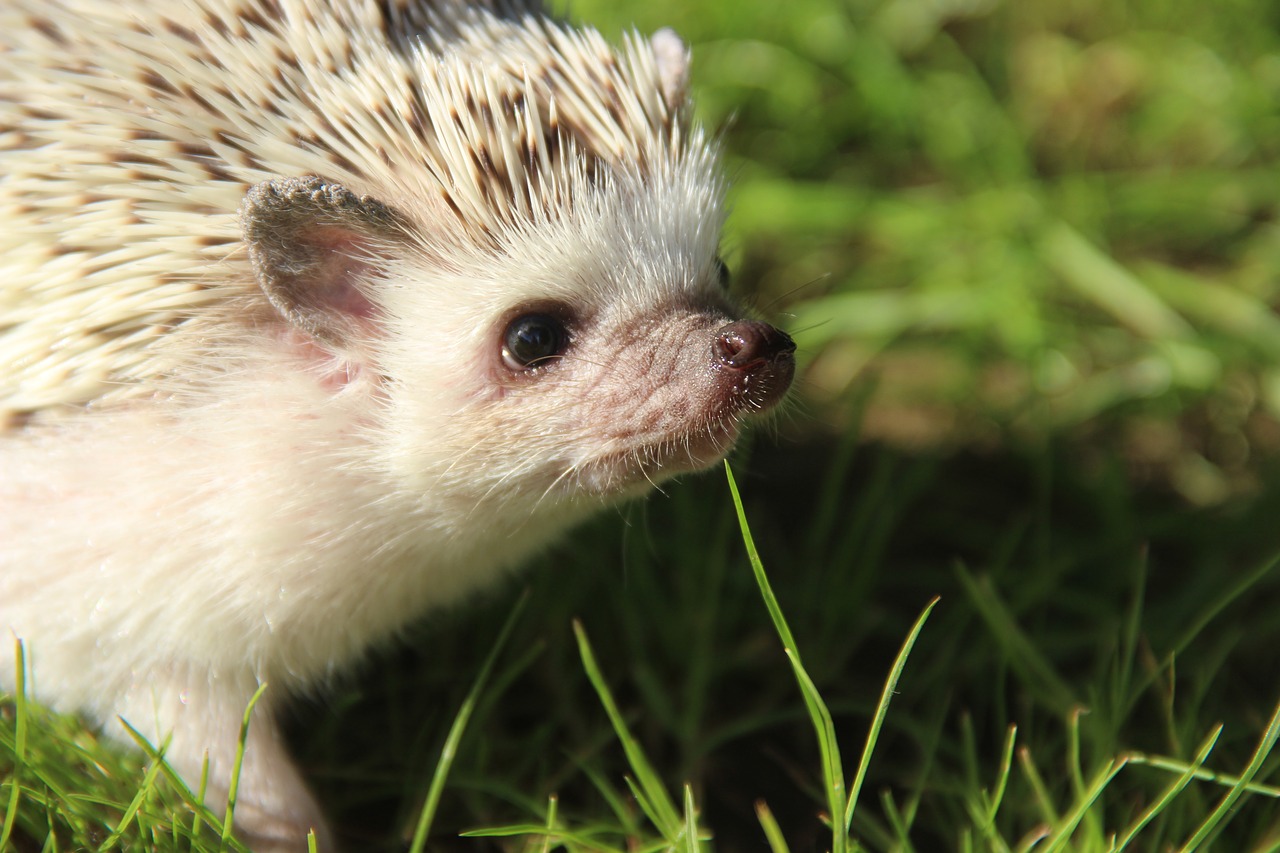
{"x":316,"y":316}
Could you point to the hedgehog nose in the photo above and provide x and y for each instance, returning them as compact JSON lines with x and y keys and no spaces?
{"x":748,"y":345}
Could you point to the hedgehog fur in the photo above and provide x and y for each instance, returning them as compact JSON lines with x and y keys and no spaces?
{"x":316,"y":316}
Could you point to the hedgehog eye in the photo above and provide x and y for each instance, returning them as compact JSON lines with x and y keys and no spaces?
{"x":722,"y":273}
{"x":532,"y":339}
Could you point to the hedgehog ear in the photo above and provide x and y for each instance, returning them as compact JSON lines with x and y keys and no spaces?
{"x":312,"y":245}
{"x":673,"y":58}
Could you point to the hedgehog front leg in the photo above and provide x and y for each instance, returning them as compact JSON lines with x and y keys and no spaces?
{"x":201,"y":714}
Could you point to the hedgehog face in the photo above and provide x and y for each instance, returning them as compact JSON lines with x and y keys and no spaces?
{"x":590,"y":351}
{"x":642,"y":395}
{"x":597,"y":353}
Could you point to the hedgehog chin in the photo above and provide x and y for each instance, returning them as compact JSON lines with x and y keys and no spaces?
{"x":649,"y":461}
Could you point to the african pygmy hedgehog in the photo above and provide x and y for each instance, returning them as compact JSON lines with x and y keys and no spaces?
{"x":317,"y":315}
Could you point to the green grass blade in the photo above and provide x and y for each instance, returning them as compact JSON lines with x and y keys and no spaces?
{"x":20,"y":744}
{"x":690,"y":821}
{"x":1006,"y":769}
{"x":234,"y":788}
{"x":1043,"y":801}
{"x":1079,"y":788}
{"x":450,"y":748}
{"x":615,"y":802}
{"x":144,"y":790}
{"x":1226,"y":780}
{"x":1084,"y":803}
{"x":984,"y":807}
{"x":1163,"y":801}
{"x":553,"y":808}
{"x":637,"y":794}
{"x":839,"y":801}
{"x":51,"y":842}
{"x":832,"y":772}
{"x":882,"y":709}
{"x":194,"y":801}
{"x":772,"y":832}
{"x":819,"y":714}
{"x":584,"y":839}
{"x":197,"y":820}
{"x":1225,"y":809}
{"x":770,"y":600}
{"x":664,"y":813}
{"x":901,"y":829}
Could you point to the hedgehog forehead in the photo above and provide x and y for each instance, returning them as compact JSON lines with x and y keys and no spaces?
{"x":635,"y":243}
{"x":626,"y":240}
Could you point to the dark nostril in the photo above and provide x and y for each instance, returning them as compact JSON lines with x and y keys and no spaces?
{"x":748,"y":344}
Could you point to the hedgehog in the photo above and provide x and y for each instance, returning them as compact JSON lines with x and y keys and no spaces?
{"x":316,"y":316}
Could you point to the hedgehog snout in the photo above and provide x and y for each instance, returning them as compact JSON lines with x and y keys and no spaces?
{"x":757,"y":360}
{"x":749,"y":344}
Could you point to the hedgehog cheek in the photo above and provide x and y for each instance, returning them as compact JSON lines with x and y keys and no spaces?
{"x":316,"y":249}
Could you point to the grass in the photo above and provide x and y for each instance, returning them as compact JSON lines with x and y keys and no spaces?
{"x":1021,"y":718}
{"x":1029,"y":252}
